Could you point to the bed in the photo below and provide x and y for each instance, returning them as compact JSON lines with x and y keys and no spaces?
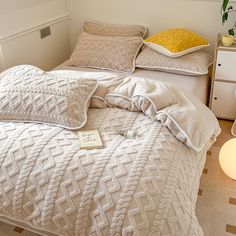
{"x":141,"y":185}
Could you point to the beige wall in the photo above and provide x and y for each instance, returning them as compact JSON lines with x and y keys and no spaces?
{"x":15,"y":5}
{"x":18,"y":16}
{"x":20,"y":24}
{"x":15,"y":17}
{"x":45,"y":53}
{"x":200,"y":16}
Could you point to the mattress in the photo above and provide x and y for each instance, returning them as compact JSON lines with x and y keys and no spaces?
{"x":196,"y":85}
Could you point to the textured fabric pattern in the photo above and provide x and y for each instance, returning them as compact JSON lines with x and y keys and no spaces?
{"x":188,"y":119}
{"x":29,"y":94}
{"x":142,"y":186}
{"x":176,"y":42}
{"x":195,"y":63}
{"x":106,"y":52}
{"x":99,"y":28}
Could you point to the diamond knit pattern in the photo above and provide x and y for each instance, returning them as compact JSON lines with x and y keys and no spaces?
{"x":195,"y":63}
{"x":106,"y":52}
{"x":30,"y":94}
{"x":105,"y":29}
{"x":142,"y":186}
{"x":177,"y":40}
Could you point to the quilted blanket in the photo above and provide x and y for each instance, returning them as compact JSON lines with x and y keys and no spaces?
{"x":143,"y":185}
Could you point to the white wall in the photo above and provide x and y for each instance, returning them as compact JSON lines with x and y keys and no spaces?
{"x":15,"y":5}
{"x":18,"y":16}
{"x":20,"y":43}
{"x":45,"y":53}
{"x":15,"y":17}
{"x":200,"y":16}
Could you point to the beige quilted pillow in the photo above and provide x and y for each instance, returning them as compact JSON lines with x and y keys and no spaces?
{"x":106,"y":52}
{"x":28,"y":94}
{"x":99,"y":28}
{"x":194,"y":64}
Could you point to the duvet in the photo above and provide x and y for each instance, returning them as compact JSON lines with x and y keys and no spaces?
{"x":146,"y":184}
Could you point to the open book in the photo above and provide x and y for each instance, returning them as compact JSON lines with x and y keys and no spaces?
{"x":90,"y":139}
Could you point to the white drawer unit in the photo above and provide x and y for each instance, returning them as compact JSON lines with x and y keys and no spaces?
{"x":226,"y":66}
{"x":224,"y":100}
{"x":223,"y":86}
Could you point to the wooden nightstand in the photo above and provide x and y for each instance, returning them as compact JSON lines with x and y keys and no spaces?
{"x":223,"y":87}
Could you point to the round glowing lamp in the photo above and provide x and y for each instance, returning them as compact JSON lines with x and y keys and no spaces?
{"x":228,"y":158}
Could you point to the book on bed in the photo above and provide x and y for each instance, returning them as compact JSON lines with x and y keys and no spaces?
{"x":90,"y":139}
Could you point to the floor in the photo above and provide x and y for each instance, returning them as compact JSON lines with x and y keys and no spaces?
{"x":216,"y":205}
{"x":9,"y":230}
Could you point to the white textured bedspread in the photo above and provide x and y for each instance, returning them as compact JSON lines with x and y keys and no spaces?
{"x":144,"y":185}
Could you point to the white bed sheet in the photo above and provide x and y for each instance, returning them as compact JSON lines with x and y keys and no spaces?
{"x":197,"y":85}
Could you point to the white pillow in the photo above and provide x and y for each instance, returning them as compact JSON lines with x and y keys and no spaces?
{"x":193,"y":64}
{"x":106,"y":29}
{"x":28,"y":94}
{"x":106,"y":52}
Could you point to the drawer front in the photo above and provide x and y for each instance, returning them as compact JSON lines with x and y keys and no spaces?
{"x":224,"y":100}
{"x":226,"y":66}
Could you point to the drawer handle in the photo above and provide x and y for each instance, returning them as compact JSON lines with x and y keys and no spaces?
{"x":219,"y":64}
{"x":215,"y":98}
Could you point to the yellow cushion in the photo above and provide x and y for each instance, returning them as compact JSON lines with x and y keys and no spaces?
{"x":176,"y":42}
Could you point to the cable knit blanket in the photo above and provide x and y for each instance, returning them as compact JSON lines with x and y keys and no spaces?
{"x":146,"y":185}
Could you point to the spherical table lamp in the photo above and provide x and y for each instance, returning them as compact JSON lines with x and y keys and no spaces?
{"x":228,"y":158}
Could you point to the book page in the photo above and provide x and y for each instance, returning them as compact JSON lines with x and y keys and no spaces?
{"x":90,"y":139}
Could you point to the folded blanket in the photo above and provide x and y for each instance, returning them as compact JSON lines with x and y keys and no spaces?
{"x":187,"y":118}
